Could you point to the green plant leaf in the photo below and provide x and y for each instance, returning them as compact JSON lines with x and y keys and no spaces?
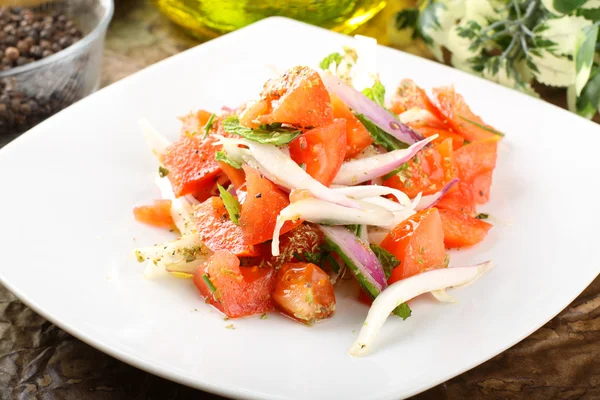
{"x":330,"y":59}
{"x":403,"y":311}
{"x":562,"y":6}
{"x":589,"y":100}
{"x":222,"y":156}
{"x":232,"y":205}
{"x":388,"y":260}
{"x":266,"y":134}
{"x":585,"y":47}
{"x":380,"y":137}
{"x":376,"y":93}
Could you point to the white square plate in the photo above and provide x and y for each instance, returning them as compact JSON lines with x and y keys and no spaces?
{"x":67,"y":231}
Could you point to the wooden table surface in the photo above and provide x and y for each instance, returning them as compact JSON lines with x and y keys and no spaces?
{"x":38,"y":360}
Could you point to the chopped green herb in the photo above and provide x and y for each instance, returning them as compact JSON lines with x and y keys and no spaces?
{"x":278,"y":136}
{"x":332,"y":262}
{"x":395,"y":172}
{"x":232,"y":205}
{"x":162,"y":171}
{"x":388,"y":260}
{"x":230,"y":326}
{"x":403,"y":311}
{"x":210,"y":285}
{"x":376,"y":93}
{"x":264,"y":316}
{"x":139,"y":256}
{"x":332,"y":58}
{"x":309,"y":298}
{"x":209,"y":124}
{"x":222,"y":156}
{"x":485,"y":128}
{"x":380,"y":137}
{"x":482,"y":216}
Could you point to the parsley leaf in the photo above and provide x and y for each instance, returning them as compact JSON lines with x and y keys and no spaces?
{"x":376,"y":93}
{"x":162,"y":171}
{"x":209,"y":124}
{"x":482,"y":216}
{"x":380,"y":137}
{"x":222,"y":156}
{"x":332,"y":58}
{"x":271,"y":135}
{"x":403,"y":311}
{"x":388,"y":260}
{"x":232,"y":205}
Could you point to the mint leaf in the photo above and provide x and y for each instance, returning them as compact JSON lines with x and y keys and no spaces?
{"x":376,"y":93}
{"x":332,"y":58}
{"x":277,"y":136}
{"x":380,"y":137}
{"x":232,"y":205}
{"x":395,"y":172}
{"x":388,"y":260}
{"x":403,"y":311}
{"x":222,"y":156}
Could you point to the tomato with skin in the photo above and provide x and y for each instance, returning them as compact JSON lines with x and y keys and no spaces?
{"x":357,"y":136}
{"x":418,"y":243}
{"x":218,"y":232}
{"x":298,"y":98}
{"x":427,"y":172}
{"x":408,"y":95}
{"x":460,"y":117}
{"x":158,"y":214}
{"x":235,"y":176}
{"x":194,"y":122}
{"x":475,"y":159}
{"x":459,"y":198}
{"x":482,"y":185}
{"x":304,"y":292}
{"x":321,"y":150}
{"x":264,"y":201}
{"x":238,"y":291}
{"x":462,"y":230}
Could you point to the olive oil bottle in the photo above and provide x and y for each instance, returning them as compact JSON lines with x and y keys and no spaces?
{"x":210,"y":18}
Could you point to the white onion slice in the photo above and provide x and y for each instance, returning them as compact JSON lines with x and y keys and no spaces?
{"x":155,"y":141}
{"x":359,"y":171}
{"x":407,"y":289}
{"x":417,"y":115}
{"x":283,"y":171}
{"x":432,"y":199}
{"x":443,"y":297}
{"x":182,"y":208}
{"x":365,"y":191}
{"x":323,"y":212}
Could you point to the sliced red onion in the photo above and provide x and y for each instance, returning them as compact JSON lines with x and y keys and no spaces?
{"x":407,"y":289}
{"x":323,"y":212}
{"x":363,"y":105}
{"x":283,"y":171}
{"x":365,"y":191}
{"x":358,"y":171}
{"x":432,"y":199}
{"x":364,"y":263}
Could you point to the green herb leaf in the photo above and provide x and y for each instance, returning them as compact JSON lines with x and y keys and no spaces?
{"x":589,"y":100}
{"x":388,"y":260}
{"x":395,"y":172}
{"x":585,"y":47}
{"x":403,"y":311}
{"x":332,"y":58}
{"x":407,"y":19}
{"x":210,"y":285}
{"x":162,"y":171}
{"x":222,"y":156}
{"x":485,"y":128}
{"x":482,"y":216}
{"x":566,"y":6}
{"x":209,"y":124}
{"x":232,"y":205}
{"x":277,"y":136}
{"x":380,"y":137}
{"x":376,"y":93}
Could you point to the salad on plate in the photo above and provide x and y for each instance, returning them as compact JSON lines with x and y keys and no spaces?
{"x":320,"y":180}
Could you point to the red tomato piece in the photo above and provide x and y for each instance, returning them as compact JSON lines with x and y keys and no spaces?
{"x":298,"y":98}
{"x":304,"y":292}
{"x":418,"y":243}
{"x":264,"y":201}
{"x":427,"y":172}
{"x":234,"y":175}
{"x":251,"y":111}
{"x":321,"y":150}
{"x":236,"y":291}
{"x":460,"y":117}
{"x":191,"y":164}
{"x":475,"y":159}
{"x":357,"y":136}
{"x":218,"y":232}
{"x":158,"y":214}
{"x":459,"y":198}
{"x":443,"y":134}
{"x":462,"y":230}
{"x":482,"y":184}
{"x":409,"y":95}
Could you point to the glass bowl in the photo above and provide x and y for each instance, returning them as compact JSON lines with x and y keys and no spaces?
{"x":33,"y":92}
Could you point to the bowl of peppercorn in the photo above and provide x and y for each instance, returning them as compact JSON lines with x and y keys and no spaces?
{"x":50,"y":57}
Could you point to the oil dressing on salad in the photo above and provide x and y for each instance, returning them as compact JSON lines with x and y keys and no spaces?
{"x":317,"y":179}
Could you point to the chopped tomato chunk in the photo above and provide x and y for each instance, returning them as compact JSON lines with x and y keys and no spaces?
{"x":236,"y":291}
{"x":321,"y":150}
{"x":218,"y":232}
{"x":475,"y":159}
{"x":194,"y":122}
{"x":298,"y":98}
{"x":264,"y":201}
{"x":293,"y":246}
{"x":427,"y":172}
{"x":459,"y":198}
{"x":459,"y":115}
{"x":234,"y":175}
{"x":303,"y":291}
{"x":418,"y":243}
{"x":357,"y":136}
{"x":158,"y":214}
{"x":482,"y":184}
{"x":443,"y":134}
{"x":462,"y":230}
